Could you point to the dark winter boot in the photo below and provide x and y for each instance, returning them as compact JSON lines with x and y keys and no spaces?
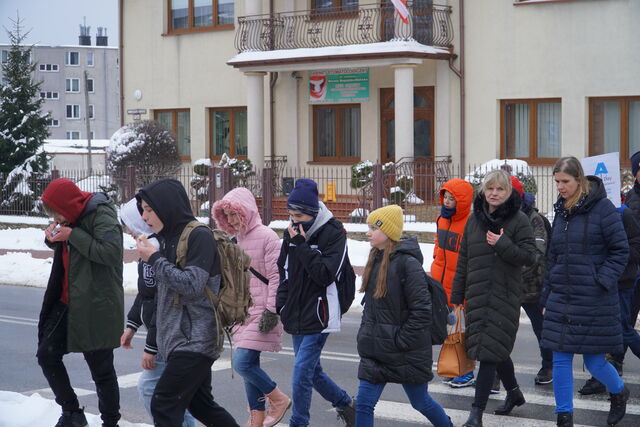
{"x":514,"y":398}
{"x":72,"y":419}
{"x":565,"y":419}
{"x":618,"y":406}
{"x":592,"y":386}
{"x":475,"y":418}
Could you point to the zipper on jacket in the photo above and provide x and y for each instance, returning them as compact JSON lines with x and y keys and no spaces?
{"x":568,"y":277}
{"x":444,"y":267}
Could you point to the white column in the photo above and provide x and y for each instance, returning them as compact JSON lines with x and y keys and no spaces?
{"x":252,"y":7}
{"x":403,"y":99}
{"x":255,"y":118}
{"x":442,"y":120}
{"x":288,"y":112}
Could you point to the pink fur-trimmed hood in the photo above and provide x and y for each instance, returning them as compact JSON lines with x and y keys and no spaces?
{"x":241,"y":201}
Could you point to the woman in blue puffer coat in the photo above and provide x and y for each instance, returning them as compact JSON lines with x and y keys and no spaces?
{"x":587,"y":254}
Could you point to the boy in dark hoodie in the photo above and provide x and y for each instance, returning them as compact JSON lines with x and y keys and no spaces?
{"x":185,"y":322}
{"x":313,"y":254}
{"x":83,"y":306}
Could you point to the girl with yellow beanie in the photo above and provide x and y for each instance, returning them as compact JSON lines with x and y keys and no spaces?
{"x":392,"y":344}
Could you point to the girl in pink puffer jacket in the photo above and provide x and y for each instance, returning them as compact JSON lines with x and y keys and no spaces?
{"x":237,"y":214}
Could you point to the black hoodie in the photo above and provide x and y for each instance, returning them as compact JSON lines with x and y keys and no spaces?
{"x":189,"y":326}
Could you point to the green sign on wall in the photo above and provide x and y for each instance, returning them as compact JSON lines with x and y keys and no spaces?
{"x":346,"y":85}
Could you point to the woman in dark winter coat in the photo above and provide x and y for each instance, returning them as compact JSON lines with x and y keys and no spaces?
{"x":587,"y":254}
{"x":392,"y":341}
{"x":497,"y":243}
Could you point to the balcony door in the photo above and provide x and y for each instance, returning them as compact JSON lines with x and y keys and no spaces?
{"x":423,"y":116}
{"x":422,"y":19}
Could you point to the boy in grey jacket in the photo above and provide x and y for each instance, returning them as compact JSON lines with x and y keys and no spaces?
{"x":185,"y":321}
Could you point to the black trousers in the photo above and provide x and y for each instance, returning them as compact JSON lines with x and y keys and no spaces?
{"x":486,"y":377}
{"x":52,"y":346}
{"x":186,"y":384}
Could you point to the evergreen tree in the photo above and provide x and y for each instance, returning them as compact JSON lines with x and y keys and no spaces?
{"x":23,"y":126}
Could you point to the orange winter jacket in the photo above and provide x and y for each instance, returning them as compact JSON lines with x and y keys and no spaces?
{"x":449,"y":233}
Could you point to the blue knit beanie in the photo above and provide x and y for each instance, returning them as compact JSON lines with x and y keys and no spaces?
{"x":304,"y":197}
{"x":635,"y":163}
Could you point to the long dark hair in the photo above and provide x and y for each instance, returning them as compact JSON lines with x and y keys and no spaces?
{"x":571,"y":166}
{"x":381,"y":282}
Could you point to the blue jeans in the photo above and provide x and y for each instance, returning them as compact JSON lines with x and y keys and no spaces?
{"x":601,"y":370}
{"x":629,"y":334}
{"x":147,"y":385}
{"x":257,"y":383}
{"x":418,"y":394}
{"x":534,"y":312}
{"x":307,"y":375}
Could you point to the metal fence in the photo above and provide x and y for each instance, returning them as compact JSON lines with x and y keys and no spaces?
{"x":349,"y":192}
{"x":344,"y":25}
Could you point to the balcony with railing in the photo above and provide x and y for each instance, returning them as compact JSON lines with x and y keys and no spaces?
{"x":429,"y":25}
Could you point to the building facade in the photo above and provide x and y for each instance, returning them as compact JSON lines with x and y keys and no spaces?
{"x":61,"y":69}
{"x":334,"y":82}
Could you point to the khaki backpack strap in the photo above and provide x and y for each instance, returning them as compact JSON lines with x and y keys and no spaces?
{"x":181,"y":249}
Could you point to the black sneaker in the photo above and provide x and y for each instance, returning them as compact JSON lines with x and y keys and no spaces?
{"x":592,"y":386}
{"x":348,"y":413}
{"x":545,"y":376}
{"x":72,"y":419}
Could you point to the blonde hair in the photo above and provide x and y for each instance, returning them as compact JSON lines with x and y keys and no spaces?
{"x":571,"y":166}
{"x":500,"y":176}
{"x":49,"y":210}
{"x":381,"y":282}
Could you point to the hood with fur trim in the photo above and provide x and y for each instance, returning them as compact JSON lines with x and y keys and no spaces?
{"x":241,"y":201}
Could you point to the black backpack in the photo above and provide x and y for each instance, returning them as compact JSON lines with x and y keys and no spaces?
{"x":439,"y":311}
{"x":346,"y":284}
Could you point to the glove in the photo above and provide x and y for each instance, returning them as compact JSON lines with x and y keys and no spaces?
{"x":268,"y":321}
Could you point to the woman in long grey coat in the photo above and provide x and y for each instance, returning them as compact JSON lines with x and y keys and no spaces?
{"x":497,"y":242}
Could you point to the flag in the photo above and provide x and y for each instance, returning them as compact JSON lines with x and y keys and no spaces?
{"x":401,"y":8}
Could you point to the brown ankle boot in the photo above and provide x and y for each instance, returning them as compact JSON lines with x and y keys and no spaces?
{"x":277,"y":405}
{"x":256,"y":418}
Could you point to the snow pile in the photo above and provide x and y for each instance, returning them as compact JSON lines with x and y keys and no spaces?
{"x":94,"y":183}
{"x":23,"y":238}
{"x":513,"y":166}
{"x":17,"y":410}
{"x":20,"y":268}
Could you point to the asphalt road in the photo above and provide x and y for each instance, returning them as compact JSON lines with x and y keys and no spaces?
{"x":19,"y":372}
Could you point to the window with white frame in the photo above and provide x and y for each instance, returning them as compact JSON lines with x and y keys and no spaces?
{"x":50,"y":95}
{"x":91,"y":111}
{"x":73,"y":111}
{"x":72,"y":58}
{"x":90,"y":85}
{"x":89,"y":59}
{"x":73,"y":85}
{"x":73,"y":134}
{"x":53,"y":123}
{"x":49,"y":68}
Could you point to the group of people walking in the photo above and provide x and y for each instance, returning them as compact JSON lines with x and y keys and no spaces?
{"x":493,"y":255}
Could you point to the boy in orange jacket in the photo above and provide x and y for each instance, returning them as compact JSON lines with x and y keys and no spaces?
{"x":456,"y":198}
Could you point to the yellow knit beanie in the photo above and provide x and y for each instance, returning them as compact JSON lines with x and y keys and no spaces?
{"x":389,"y":220}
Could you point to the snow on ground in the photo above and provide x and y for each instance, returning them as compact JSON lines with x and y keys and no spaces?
{"x":20,"y":268}
{"x":408,"y":227}
{"x":18,"y":410}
